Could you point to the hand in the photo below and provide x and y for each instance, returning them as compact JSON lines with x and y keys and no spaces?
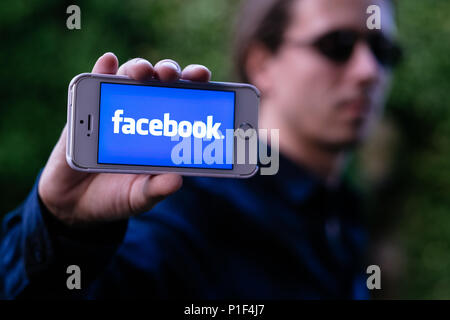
{"x":79,"y":198}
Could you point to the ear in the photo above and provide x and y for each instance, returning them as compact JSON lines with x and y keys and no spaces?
{"x":257,"y":67}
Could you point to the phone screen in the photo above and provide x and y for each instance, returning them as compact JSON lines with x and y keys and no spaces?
{"x":163,"y":126}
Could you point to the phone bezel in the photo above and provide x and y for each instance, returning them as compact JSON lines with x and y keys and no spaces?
{"x":83,"y":100}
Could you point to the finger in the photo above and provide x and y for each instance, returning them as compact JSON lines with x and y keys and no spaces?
{"x":106,"y":64}
{"x":146,"y":190}
{"x":137,"y":69}
{"x":196,"y":72}
{"x":167,"y":70}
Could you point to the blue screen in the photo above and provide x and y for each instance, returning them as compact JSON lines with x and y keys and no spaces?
{"x":161,"y":126}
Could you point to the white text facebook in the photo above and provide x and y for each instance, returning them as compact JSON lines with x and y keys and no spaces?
{"x":166,"y":127}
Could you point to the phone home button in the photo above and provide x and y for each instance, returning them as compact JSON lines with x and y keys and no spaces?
{"x":244,"y":126}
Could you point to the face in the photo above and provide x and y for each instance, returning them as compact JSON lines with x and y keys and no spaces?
{"x":329,"y":103}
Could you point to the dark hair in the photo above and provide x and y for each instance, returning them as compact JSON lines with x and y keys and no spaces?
{"x":262,"y":21}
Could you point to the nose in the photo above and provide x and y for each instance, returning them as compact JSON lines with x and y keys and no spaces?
{"x":364,"y":68}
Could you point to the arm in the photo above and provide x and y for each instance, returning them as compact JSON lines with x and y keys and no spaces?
{"x":36,"y":249}
{"x":79,"y":218}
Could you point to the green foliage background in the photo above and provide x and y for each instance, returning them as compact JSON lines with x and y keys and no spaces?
{"x":39,"y":56}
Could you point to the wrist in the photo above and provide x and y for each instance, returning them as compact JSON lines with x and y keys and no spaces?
{"x":98,"y":232}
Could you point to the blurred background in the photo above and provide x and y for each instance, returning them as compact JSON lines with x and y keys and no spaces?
{"x":404,"y":169}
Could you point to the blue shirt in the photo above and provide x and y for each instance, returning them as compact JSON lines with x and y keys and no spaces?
{"x":285,"y":236}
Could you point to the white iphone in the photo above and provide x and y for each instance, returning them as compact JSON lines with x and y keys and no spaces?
{"x":120,"y":125}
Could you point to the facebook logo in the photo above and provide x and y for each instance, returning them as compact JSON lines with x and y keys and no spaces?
{"x":168,"y":128}
{"x":139,"y":124}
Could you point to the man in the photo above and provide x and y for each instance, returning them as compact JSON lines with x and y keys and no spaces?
{"x":323,"y":76}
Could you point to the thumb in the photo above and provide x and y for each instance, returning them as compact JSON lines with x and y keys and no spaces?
{"x":147,"y":191}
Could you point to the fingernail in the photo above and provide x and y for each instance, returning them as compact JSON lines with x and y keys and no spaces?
{"x":143,"y":61}
{"x":171,"y":65}
{"x":194,"y":66}
{"x":191,"y":66}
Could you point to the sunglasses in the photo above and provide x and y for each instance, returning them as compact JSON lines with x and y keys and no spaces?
{"x":338,"y":46}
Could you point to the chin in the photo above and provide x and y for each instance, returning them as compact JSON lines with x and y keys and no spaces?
{"x":345,"y":145}
{"x":346,"y":142}
{"x":355,"y":135}
{"x":352,"y":143}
